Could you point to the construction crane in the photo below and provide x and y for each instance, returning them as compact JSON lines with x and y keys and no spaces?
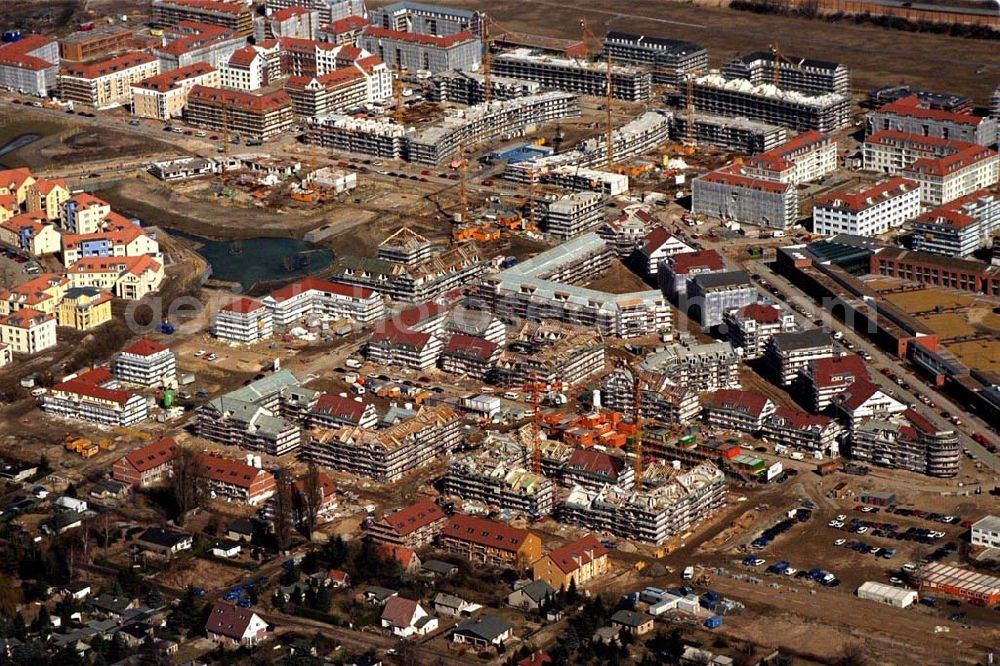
{"x":637,"y":406}
{"x":397,"y":90}
{"x":776,"y":59}
{"x":588,"y":37}
{"x":690,"y":141}
{"x":463,"y":193}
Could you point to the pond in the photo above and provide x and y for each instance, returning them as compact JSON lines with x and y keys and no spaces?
{"x":17,"y":143}
{"x":261,"y":260}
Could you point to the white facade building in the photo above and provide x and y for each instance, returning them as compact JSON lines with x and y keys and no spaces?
{"x":245,"y":321}
{"x":869,"y":212}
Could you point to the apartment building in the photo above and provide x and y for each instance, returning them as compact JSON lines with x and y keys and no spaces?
{"x":744,"y":411}
{"x":571,"y":214}
{"x":508,"y":485}
{"x":869,"y":210}
{"x":30,"y":65}
{"x":128,"y":278}
{"x":592,"y":468}
{"x":388,"y":455}
{"x":419,"y":52}
{"x":716,"y":94}
{"x":945,"y":179}
{"x":960,"y":227}
{"x":107,"y":83}
{"x":30,"y":232}
{"x":259,"y":117}
{"x":346,"y":30}
{"x":575,"y":76}
{"x":730,"y":193}
{"x":94,"y":396}
{"x":985,"y":532}
{"x":476,"y":324}
{"x":574,"y":564}
{"x":912,"y":116}
{"x":46,"y":196}
{"x":455,"y":267}
{"x":16,"y":183}
{"x":488,"y":542}
{"x":670,"y":60}
{"x":789,"y":354}
{"x":549,"y":353}
{"x":660,"y":400}
{"x":101,"y":41}
{"x":127,"y":240}
{"x":312,"y":297}
{"x":676,"y":270}
{"x":863,"y":400}
{"x":331,"y":411}
{"x":164,"y":96}
{"x":809,"y":156}
{"x":84,"y":308}
{"x":364,"y":136}
{"x":246,"y":70}
{"x":426,"y":19}
{"x":259,"y":416}
{"x":329,"y":10}
{"x":395,"y":344}
{"x":190,"y":42}
{"x":805,"y":75}
{"x":469,"y":356}
{"x":932,"y":100}
{"x":244,"y":321}
{"x":145,"y":363}
{"x":335,"y":92}
{"x":740,"y":135}
{"x":751,"y":327}
{"x":469,"y":88}
{"x":546,"y":287}
{"x":28,"y":331}
{"x":84,"y":214}
{"x":698,"y":367}
{"x":235,"y":480}
{"x":909,"y":442}
{"x":411,"y":527}
{"x":831,"y":376}
{"x":655,"y":247}
{"x":891,"y":152}
{"x":42,"y":293}
{"x":299,"y":21}
{"x":650,"y":516}
{"x":236,"y":16}
{"x":802,"y":431}
{"x":149,"y":465}
{"x":711,"y":295}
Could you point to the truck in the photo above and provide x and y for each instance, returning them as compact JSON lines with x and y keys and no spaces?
{"x":797,"y":455}
{"x":829,"y":467}
{"x":353,"y":363}
{"x":688,"y":573}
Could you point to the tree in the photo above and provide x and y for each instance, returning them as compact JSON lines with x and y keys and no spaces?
{"x":853,"y":654}
{"x":572,"y":596}
{"x":283,"y":511}
{"x":186,"y":482}
{"x":311,"y":496}
{"x":335,"y":551}
{"x":10,"y":596}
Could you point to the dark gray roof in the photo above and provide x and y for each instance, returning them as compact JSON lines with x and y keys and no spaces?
{"x":724,"y":279}
{"x":537,"y":590}
{"x":802,"y":62}
{"x":439,"y":567}
{"x":630,"y":618}
{"x":661,"y":43}
{"x":813,"y":337}
{"x":485,"y":627}
{"x":165,"y":538}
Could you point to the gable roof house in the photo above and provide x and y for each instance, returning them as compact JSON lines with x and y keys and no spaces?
{"x":406,"y":617}
{"x":577,"y":562}
{"x":483,"y":631}
{"x":230,"y":625}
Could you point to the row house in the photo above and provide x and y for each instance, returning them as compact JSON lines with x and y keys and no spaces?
{"x":125,"y":241}
{"x":469,"y":356}
{"x":413,"y":527}
{"x":864,"y":400}
{"x":128,"y":278}
{"x":745,"y":411}
{"x":332,"y":411}
{"x":244,"y":321}
{"x":145,"y":363}
{"x":94,"y":396}
{"x":803,"y":431}
{"x":488,"y":542}
{"x":149,"y":465}
{"x":870,"y":211}
{"x":313,"y":297}
{"x":235,"y":480}
{"x":42,"y":293}
{"x":831,"y":376}
{"x":28,"y":331}
{"x":788,"y":354}
{"x":752,"y":326}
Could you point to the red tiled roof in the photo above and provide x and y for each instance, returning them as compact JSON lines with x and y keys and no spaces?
{"x":122,"y":235}
{"x":595,"y":461}
{"x":229,"y":471}
{"x":171,"y":80}
{"x":794,"y":418}
{"x":90,"y":384}
{"x":536,"y":659}
{"x":34,"y":290}
{"x":14,"y":178}
{"x":227,"y":619}
{"x":745,"y":401}
{"x":761,"y":313}
{"x":942,"y":166}
{"x":573,"y":555}
{"x":866,"y":198}
{"x":395,"y":334}
{"x":857,"y":393}
{"x":834,"y":370}
{"x":191,"y":35}
{"x":133,"y":265}
{"x":350,"y":22}
{"x":243,"y":57}
{"x":310,"y":284}
{"x":406,"y":521}
{"x":416,"y":38}
{"x":401,"y":554}
{"x":921,"y":422}
{"x":485,"y":532}
{"x":340,"y":407}
{"x":470,"y":345}
{"x":685,"y":262}
{"x":26,"y":318}
{"x":910,"y":106}
{"x":779,"y":158}
{"x":153,"y":455}
{"x":85,"y":199}
{"x":243,"y":306}
{"x":895,"y":137}
{"x":46,"y":185}
{"x":289,"y":12}
{"x":655,"y":238}
{"x":952,"y":213}
{"x":109,"y":66}
{"x":225,"y":6}
{"x":18,"y":54}
{"x":330,"y":80}
{"x":399,"y":612}
{"x":145,"y":347}
{"x":240,"y":100}
{"x":733,"y":175}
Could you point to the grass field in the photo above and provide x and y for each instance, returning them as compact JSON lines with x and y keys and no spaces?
{"x":949,"y":324}
{"x":928,"y":299}
{"x":978,"y":354}
{"x":876,"y":56}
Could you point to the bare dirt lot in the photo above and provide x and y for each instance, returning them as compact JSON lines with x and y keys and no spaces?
{"x":874,"y":54}
{"x":61,"y":142}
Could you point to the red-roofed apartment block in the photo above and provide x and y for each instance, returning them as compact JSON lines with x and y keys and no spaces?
{"x":912,"y":116}
{"x":164,"y":96}
{"x":577,"y":562}
{"x":801,"y":430}
{"x":414,"y":526}
{"x":244,"y":321}
{"x":945,"y":179}
{"x":258,"y":117}
{"x":313,"y":297}
{"x":958,"y":228}
{"x":30,"y":65}
{"x":107,"y":83}
{"x":147,"y":466}
{"x":733,"y":409}
{"x":732,"y":193}
{"x":94,"y":396}
{"x":231,"y":14}
{"x":870,"y":210}
{"x":145,"y":363}
{"x":809,"y":156}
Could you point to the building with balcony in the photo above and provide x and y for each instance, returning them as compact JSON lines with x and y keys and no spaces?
{"x":244,"y":321}
{"x":145,"y":363}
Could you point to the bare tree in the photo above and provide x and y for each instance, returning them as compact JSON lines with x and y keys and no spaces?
{"x":311,"y":497}
{"x":283,"y":511}
{"x":186,"y":482}
{"x":853,"y":654}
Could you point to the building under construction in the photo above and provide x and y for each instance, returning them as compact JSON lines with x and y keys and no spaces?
{"x":700,"y":367}
{"x":740,"y":135}
{"x":570,"y":214}
{"x":714,"y":93}
{"x":662,"y":399}
{"x":239,"y":113}
{"x":545,"y":287}
{"x":576,"y":76}
{"x":449,"y":269}
{"x":498,"y":477}
{"x":805,"y":75}
{"x":387,"y":455}
{"x":670,"y":60}
{"x":236,"y":16}
{"x":469,"y":88}
{"x":650,"y":516}
{"x":730,"y":193}
{"x":550,"y":354}
{"x":364,"y":136}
